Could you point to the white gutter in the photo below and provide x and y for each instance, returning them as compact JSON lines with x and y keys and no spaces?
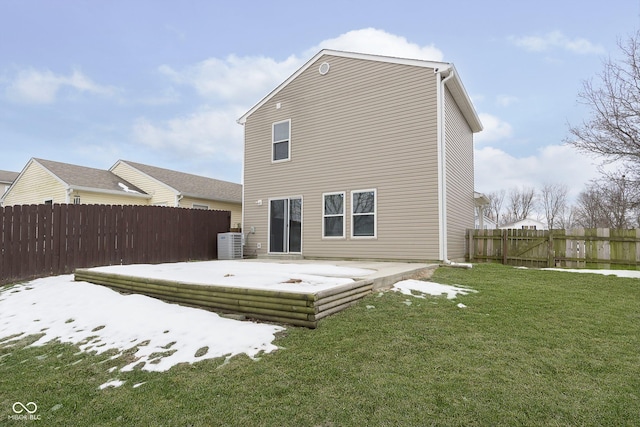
{"x":442,"y":162}
{"x":442,"y":166}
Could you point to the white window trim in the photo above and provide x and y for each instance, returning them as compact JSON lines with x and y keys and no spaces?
{"x":375,"y":213}
{"x":199,"y":206}
{"x":274,"y":142}
{"x":344,"y":215}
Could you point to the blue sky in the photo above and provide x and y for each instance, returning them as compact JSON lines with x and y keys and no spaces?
{"x":163,"y":82}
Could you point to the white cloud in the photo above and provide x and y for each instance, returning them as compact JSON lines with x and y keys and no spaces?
{"x":245,"y":80}
{"x":33,"y":86}
{"x":378,"y":42}
{"x":238,"y":79}
{"x":495,"y":129}
{"x":556,"y":39}
{"x":506,"y":100}
{"x":495,"y":169}
{"x":206,"y":133}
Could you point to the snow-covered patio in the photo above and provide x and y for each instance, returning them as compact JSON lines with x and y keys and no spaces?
{"x":299,"y":293}
{"x":157,"y":334}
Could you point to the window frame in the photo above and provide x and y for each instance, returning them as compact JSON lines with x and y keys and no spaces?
{"x":374,"y":213}
{"x":274,"y":142}
{"x":343,"y":214}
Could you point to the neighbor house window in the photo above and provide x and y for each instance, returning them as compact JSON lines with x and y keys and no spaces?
{"x":363,"y":213}
{"x":281,"y":141}
{"x":204,"y":207}
{"x":76,"y":200}
{"x":48,"y":202}
{"x":333,"y":215}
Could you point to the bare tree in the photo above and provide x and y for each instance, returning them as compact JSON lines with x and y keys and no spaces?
{"x":553,"y":198}
{"x":613,"y":129}
{"x":567,"y":219}
{"x":589,"y":208}
{"x":521,"y":203}
{"x":609,"y":202}
{"x":496,"y":200}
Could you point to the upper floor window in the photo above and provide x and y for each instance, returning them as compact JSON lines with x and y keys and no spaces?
{"x":76,"y":199}
{"x":281,"y":141}
{"x":363,"y":213}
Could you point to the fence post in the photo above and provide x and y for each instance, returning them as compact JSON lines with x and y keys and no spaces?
{"x":551,"y":253}
{"x":504,"y":247}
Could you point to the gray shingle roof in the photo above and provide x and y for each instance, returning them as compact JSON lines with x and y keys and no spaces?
{"x":8,"y":176}
{"x":193,"y":185}
{"x":90,"y":178}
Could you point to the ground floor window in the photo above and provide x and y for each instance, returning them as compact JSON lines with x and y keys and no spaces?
{"x":333,"y":215}
{"x":363,"y":213}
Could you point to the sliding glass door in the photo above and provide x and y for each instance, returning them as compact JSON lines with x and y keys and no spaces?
{"x":285,"y":225}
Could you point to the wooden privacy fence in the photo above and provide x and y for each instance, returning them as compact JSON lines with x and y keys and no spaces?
{"x":44,"y":240}
{"x":602,"y":248}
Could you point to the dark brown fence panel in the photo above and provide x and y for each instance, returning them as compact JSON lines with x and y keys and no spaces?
{"x":43,"y":240}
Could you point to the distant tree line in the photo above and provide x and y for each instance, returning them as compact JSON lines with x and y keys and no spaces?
{"x":609,"y":202}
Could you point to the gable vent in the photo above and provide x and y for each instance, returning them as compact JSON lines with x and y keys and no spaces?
{"x":324,"y":68}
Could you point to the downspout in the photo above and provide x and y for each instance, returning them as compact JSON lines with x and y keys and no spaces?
{"x":442,"y":166}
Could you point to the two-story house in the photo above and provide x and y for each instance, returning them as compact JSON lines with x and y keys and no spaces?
{"x":361,"y":156}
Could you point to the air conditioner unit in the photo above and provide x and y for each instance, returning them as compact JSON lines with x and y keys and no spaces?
{"x":229,"y":245}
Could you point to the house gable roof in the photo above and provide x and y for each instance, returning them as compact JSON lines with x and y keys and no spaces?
{"x":454,"y":84}
{"x":190,"y":185}
{"x":89,"y":179}
{"x":7,"y":177}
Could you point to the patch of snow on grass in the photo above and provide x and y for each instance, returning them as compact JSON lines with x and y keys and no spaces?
{"x":111,"y":383}
{"x":429,"y":288}
{"x":142,"y":326}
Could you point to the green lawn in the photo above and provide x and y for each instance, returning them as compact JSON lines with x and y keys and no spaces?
{"x":531,"y":348}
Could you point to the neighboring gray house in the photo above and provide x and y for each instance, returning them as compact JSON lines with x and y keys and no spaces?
{"x":361,"y":156}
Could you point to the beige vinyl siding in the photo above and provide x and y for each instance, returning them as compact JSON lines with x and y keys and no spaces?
{"x":34,"y":186}
{"x":364,"y":125}
{"x":235,"y":208}
{"x":160,"y":193}
{"x":460,"y":180}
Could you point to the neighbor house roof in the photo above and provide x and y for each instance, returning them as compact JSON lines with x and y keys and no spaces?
{"x":7,"y":177}
{"x":189,"y":185}
{"x":90,"y":179}
{"x":454,"y":84}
